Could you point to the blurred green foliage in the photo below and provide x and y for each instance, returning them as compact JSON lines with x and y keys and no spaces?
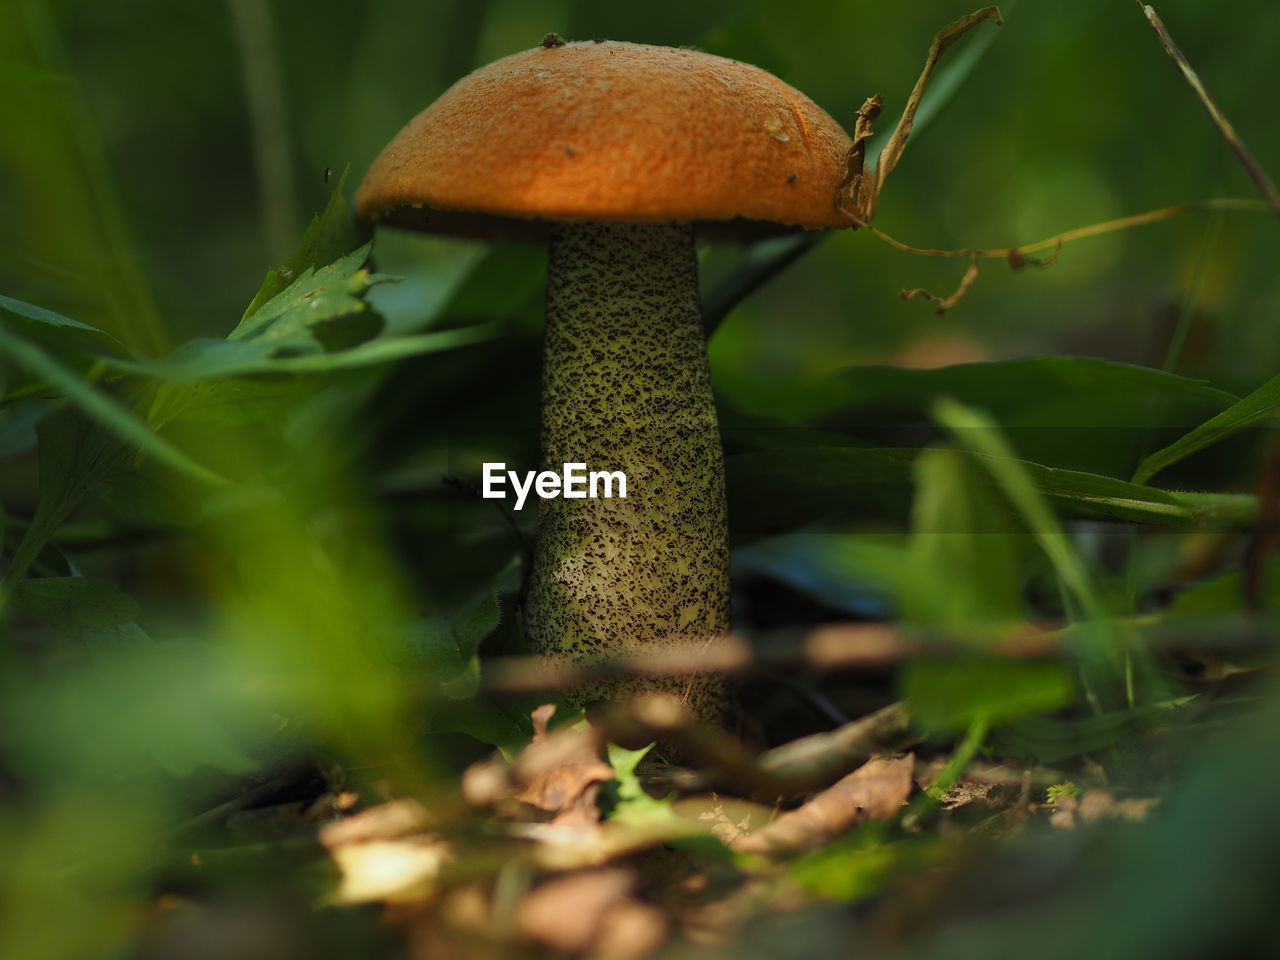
{"x":230,"y":550}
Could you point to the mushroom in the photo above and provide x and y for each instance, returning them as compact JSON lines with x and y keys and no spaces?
{"x":617,"y":154}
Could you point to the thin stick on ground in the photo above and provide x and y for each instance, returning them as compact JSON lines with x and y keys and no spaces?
{"x":790,"y":770}
{"x":855,"y":646}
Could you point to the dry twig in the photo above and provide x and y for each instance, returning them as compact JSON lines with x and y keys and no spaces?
{"x":861,"y":192}
{"x":1228,"y":132}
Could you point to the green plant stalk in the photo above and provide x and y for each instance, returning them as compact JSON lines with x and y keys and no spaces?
{"x":626,"y":388}
{"x":960,"y":758}
{"x":978,"y":433}
{"x":974,"y":736}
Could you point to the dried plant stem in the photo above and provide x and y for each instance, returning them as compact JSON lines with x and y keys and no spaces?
{"x":1228,"y":132}
{"x":1018,"y":257}
{"x":790,"y":770}
{"x":848,"y":646}
{"x":862,"y":191}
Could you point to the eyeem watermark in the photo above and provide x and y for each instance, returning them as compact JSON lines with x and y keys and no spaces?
{"x":574,"y":482}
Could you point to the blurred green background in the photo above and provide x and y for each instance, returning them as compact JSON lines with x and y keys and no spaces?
{"x":179,"y":641}
{"x":1074,"y":115}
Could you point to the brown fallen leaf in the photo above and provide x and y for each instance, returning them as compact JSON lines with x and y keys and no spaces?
{"x":723,"y":827}
{"x":1064,"y":810}
{"x":1095,"y":805}
{"x":875,"y":791}
{"x":386,"y":821}
{"x":629,"y":930}
{"x":385,"y":854}
{"x":556,"y":778}
{"x":591,"y":912}
{"x":487,"y":782}
{"x":560,"y":772}
{"x":1103,"y":804}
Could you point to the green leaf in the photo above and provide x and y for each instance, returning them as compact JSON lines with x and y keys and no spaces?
{"x":72,"y":334}
{"x":1044,"y":392}
{"x":105,"y":409}
{"x":631,"y":803}
{"x":76,"y":601}
{"x":1081,"y":413}
{"x":949,"y":695}
{"x":503,"y":724}
{"x":860,"y":575}
{"x":781,"y":490}
{"x":1105,"y":660}
{"x":202,"y":360}
{"x":316,"y":297}
{"x":1051,"y":740}
{"x":143,"y":708}
{"x":475,"y":621}
{"x":1087,"y":495}
{"x":1262,"y":403}
{"x":75,"y":457}
{"x":389,"y":350}
{"x":448,"y":646}
{"x":963,"y":552}
{"x":853,"y":866}
{"x":95,"y":613}
{"x":978,"y":433}
{"x":430,"y":644}
{"x":18,"y":423}
{"x":1225,"y":593}
{"x":330,"y":235}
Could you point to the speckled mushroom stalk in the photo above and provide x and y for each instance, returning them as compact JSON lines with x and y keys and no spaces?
{"x":626,"y":387}
{"x":619,"y":151}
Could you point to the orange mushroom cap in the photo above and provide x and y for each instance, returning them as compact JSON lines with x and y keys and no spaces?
{"x":602,"y":130}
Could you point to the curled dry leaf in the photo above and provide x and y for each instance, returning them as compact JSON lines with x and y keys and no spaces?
{"x":875,"y":791}
{"x":560,"y":772}
{"x":555,"y":778}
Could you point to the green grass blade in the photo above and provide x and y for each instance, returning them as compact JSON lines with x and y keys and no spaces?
{"x":107,"y":411}
{"x":1262,"y":403}
{"x":53,"y":319}
{"x":977,"y":433}
{"x":208,"y":360}
{"x":776,"y":490}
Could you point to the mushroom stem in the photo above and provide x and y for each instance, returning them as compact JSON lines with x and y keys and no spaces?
{"x":625,"y":387}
